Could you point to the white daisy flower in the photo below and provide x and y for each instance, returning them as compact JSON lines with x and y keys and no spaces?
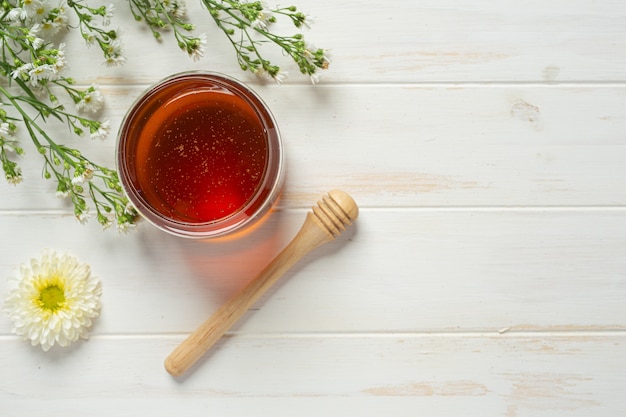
{"x":54,"y":300}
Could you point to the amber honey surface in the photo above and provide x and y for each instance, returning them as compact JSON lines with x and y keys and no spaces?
{"x":200,"y":152}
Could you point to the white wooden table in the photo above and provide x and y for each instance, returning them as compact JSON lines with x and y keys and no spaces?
{"x":486,"y":276}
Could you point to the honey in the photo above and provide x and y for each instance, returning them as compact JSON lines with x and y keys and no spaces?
{"x":199,"y":155}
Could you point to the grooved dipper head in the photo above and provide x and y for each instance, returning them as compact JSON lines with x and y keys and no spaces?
{"x":336,"y":211}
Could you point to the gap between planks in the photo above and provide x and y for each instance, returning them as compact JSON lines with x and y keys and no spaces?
{"x":486,"y":209}
{"x":123,"y":83}
{"x":478,"y":334}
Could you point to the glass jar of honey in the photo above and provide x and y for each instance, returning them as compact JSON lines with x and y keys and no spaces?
{"x":199,"y":155}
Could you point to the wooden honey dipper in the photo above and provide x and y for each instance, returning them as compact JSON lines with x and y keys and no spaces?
{"x":324,"y":223}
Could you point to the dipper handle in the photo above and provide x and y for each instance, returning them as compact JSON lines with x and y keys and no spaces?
{"x":327,"y":220}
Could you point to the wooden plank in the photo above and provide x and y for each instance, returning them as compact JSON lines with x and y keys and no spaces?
{"x":421,"y":146}
{"x":394,"y":374}
{"x":485,"y":276}
{"x":396,"y":270}
{"x":426,"y":41}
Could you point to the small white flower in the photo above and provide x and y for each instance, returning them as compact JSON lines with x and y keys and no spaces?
{"x":34,"y":30}
{"x":308,"y":21}
{"x":280,"y":77}
{"x":129,"y":209}
{"x":33,"y":38}
{"x":60,"y":61}
{"x":176,"y":8}
{"x":52,"y":24}
{"x":42,"y":11}
{"x":32,"y":7}
{"x":151,"y":14}
{"x":91,"y":102}
{"x":108,"y":14}
{"x":61,"y":17}
{"x":37,"y":43}
{"x":103,"y":130}
{"x":43,"y":72}
{"x":16,"y":14}
{"x":84,"y":216}
{"x":78,"y":180}
{"x":200,"y":44}
{"x":49,"y":28}
{"x":54,"y":301}
{"x":89,"y":39}
{"x":125,"y":227}
{"x":88,"y":173}
{"x":264,"y":75}
{"x":262,"y":20}
{"x":312,"y":53}
{"x":260,"y":72}
{"x":5,"y":130}
{"x":14,"y":179}
{"x":258,"y":24}
{"x":310,"y":49}
{"x":62,"y":194}
{"x":115,"y":53}
{"x":327,"y":57}
{"x":106,"y":223}
{"x":22,"y":70}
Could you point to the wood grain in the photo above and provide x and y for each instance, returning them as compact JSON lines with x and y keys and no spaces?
{"x":476,"y":375}
{"x":447,"y":41}
{"x":455,"y":270}
{"x":422,"y":146}
{"x":332,"y":214}
{"x":485,"y":144}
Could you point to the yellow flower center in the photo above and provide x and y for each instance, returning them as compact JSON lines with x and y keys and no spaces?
{"x":52,"y":297}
